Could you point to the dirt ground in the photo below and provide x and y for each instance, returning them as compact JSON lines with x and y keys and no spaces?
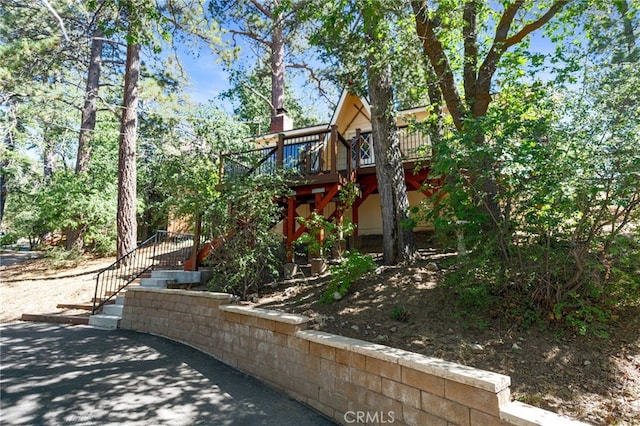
{"x":592,"y":379}
{"x":595,"y":380}
{"x":35,"y":287}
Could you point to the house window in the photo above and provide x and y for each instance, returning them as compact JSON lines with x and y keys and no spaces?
{"x":365,"y":153}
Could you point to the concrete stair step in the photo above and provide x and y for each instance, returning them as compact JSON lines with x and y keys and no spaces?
{"x":154,"y":282}
{"x":114,"y":309}
{"x":107,"y":322}
{"x":102,"y":299}
{"x":120,"y":300}
{"x":180,"y":277}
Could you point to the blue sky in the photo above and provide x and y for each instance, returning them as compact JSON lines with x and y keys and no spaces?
{"x":208,"y":79}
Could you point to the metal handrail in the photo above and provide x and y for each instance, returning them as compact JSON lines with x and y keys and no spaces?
{"x":163,"y":249}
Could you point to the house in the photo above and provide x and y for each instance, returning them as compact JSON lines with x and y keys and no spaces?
{"x":327,"y":157}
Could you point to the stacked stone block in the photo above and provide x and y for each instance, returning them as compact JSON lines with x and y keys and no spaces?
{"x":349,"y":380}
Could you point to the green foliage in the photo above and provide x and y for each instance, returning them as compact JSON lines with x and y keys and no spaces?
{"x":343,"y":275}
{"x":400,"y":313}
{"x":248,"y":92}
{"x":39,"y":206}
{"x":582,"y":316}
{"x":9,"y":239}
{"x":323,"y":234}
{"x":59,"y":258}
{"x":179,"y":158}
{"x":567,"y":169}
{"x":80,"y":201}
{"x":250,"y":253}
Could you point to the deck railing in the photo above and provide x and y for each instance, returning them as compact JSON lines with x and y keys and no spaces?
{"x":306,"y":155}
{"x":164,"y":249}
{"x":413,"y":145}
{"x":301,"y":154}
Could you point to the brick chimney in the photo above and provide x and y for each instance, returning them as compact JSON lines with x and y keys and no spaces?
{"x":281,"y":121}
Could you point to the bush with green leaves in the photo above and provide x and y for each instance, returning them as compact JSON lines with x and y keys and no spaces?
{"x":250,"y":253}
{"x":324,"y":234}
{"x":59,"y":258}
{"x":400,"y":313}
{"x":8,"y":239}
{"x":567,"y":168}
{"x":353,"y":267}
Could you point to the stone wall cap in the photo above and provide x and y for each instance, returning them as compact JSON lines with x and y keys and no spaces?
{"x":204,"y":294}
{"x":471,"y":376}
{"x":519,"y":414}
{"x":483,"y":379}
{"x":266,"y":314}
{"x":328,"y":339}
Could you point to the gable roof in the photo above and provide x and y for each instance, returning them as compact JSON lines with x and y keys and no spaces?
{"x":349,"y":108}
{"x":351,"y":111}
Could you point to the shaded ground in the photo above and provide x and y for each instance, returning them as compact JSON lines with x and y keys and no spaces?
{"x":33,"y":286}
{"x":585,"y":377}
{"x":80,"y":375}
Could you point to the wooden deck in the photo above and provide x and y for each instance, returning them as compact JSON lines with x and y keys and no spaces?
{"x":321,"y":163}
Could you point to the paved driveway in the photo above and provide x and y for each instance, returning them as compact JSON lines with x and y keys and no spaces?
{"x":58,"y":375}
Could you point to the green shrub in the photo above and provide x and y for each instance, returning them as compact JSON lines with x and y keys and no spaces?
{"x":9,"y":239}
{"x":399,"y":313}
{"x":251,"y":253}
{"x":354,"y":266}
{"x":60,"y":258}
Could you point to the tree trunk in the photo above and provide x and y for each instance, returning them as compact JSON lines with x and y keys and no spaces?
{"x":628,"y":33}
{"x":277,"y":66}
{"x":87,"y":126}
{"x":48,"y":158}
{"x":436,"y":125}
{"x":90,"y":108}
{"x":126,"y":218}
{"x":398,"y":240}
{"x":4,"y":187}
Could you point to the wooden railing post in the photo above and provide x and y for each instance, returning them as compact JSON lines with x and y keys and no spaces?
{"x":280,"y":151}
{"x":358,"y":147}
{"x":334,"y":149}
{"x":350,"y":161}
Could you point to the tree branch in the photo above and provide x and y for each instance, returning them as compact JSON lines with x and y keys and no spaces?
{"x":258,"y":94}
{"x":313,"y":77}
{"x":55,"y":14}
{"x":266,"y":12}
{"x":252,"y":36}
{"x":434,"y":50}
{"x":529,"y":28}
{"x":470,"y":37}
{"x":502,"y":42}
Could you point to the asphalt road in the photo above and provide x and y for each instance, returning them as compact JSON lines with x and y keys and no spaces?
{"x":79,"y":375}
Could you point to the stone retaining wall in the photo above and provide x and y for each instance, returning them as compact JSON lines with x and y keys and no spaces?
{"x":348,"y":380}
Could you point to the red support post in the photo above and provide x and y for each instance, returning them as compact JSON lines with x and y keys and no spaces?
{"x":290,"y":224}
